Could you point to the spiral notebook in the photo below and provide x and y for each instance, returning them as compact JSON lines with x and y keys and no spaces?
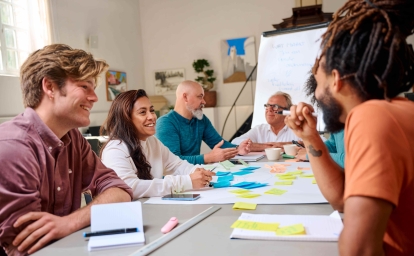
{"x":116,"y":216}
{"x":317,"y":227}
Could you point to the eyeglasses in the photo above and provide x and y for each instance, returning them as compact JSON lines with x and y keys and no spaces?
{"x":275,"y":107}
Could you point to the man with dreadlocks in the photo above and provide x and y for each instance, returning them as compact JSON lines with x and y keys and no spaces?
{"x":364,"y":64}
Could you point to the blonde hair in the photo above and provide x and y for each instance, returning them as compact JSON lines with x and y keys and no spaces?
{"x":286,"y":96}
{"x":58,"y":62}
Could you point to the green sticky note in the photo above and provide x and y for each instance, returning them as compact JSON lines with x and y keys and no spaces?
{"x":254,"y":225}
{"x":239,"y":191}
{"x":297,"y":229}
{"x":243,"y":162}
{"x":244,"y":206}
{"x":288,"y":156}
{"x":227,"y":164}
{"x":275,"y":191}
{"x":287,"y":177}
{"x":285,"y":182}
{"x":248,"y":195}
{"x":309,"y":175}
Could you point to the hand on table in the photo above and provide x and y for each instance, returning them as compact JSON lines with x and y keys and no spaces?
{"x":45,"y":228}
{"x":201,"y":177}
{"x":244,"y":147}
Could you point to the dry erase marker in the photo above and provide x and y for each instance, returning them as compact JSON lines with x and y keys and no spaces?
{"x":111,"y":232}
{"x":287,"y":112}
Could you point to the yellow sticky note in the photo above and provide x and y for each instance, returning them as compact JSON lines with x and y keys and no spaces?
{"x":314,"y":181}
{"x":284,"y":182}
{"x":287,"y":177}
{"x":288,"y":174}
{"x":295,"y":172}
{"x":239,"y":191}
{"x":244,"y":206}
{"x":297,"y":229}
{"x":248,"y":195}
{"x":308,"y":175}
{"x":275,"y":191}
{"x":253,"y":225}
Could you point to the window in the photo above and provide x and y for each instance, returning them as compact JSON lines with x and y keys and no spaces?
{"x":24,"y":28}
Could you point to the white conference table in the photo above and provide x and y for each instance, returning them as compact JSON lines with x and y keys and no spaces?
{"x":208,"y":237}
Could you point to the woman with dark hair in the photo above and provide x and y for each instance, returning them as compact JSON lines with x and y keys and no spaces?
{"x":138,"y":157}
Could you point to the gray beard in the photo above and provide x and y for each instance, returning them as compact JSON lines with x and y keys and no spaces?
{"x":197,"y":113}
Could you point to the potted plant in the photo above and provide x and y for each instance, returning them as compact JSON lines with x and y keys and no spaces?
{"x":206,"y":80}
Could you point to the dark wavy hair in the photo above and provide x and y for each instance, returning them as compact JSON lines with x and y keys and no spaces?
{"x":119,"y":126}
{"x":366,"y":43}
{"x":310,"y":87}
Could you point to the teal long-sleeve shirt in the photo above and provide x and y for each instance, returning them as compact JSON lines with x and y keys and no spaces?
{"x":336,"y":147}
{"x":183,"y":137}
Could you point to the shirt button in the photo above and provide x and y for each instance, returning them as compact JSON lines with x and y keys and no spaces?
{"x":58,"y":188}
{"x":60,"y":144}
{"x":50,"y":148}
{"x":70,"y":171}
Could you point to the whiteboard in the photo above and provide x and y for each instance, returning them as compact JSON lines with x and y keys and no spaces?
{"x":285,"y":61}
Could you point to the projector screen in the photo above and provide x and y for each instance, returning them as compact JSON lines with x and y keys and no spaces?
{"x":285,"y":62}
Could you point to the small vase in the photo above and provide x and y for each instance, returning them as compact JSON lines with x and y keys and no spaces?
{"x":210,"y":98}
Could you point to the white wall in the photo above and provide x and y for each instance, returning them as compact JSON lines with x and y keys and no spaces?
{"x":117,"y":25}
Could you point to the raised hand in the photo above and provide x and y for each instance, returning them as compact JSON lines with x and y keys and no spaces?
{"x":301,"y":121}
{"x":220,"y":154}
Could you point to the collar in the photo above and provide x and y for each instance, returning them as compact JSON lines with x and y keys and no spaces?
{"x":50,"y":140}
{"x":182,"y":119}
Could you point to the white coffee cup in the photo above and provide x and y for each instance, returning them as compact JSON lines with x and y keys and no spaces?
{"x":273,"y":154}
{"x":290,"y":149}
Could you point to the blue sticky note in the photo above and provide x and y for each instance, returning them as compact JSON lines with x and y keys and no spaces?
{"x":242,"y":172}
{"x":256,"y":185}
{"x":221,"y":173}
{"x":243,"y":184}
{"x":225,"y":178}
{"x":221,"y":184}
{"x":250,"y":168}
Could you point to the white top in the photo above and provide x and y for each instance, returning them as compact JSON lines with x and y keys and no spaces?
{"x":163,"y":163}
{"x":263,"y":133}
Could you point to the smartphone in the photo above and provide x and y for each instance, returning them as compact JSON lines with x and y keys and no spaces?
{"x":181,"y":197}
{"x":234,"y":162}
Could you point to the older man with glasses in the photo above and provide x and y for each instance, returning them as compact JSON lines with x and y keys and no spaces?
{"x":274,"y":133}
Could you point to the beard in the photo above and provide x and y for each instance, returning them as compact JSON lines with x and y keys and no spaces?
{"x":332,"y":110}
{"x":198,"y":112}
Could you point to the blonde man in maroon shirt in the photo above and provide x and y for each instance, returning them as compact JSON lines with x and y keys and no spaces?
{"x":46,"y":163}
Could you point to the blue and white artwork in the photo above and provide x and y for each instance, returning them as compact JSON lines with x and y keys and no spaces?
{"x":238,"y":59}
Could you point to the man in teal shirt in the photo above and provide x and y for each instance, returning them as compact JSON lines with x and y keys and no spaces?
{"x":183,"y":129}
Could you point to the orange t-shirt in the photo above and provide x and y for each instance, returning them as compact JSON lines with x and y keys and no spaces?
{"x":379,"y":163}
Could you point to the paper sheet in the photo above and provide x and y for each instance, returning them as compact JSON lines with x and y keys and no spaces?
{"x":302,"y":191}
{"x":317,"y":227}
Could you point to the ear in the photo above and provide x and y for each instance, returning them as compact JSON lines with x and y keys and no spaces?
{"x":337,"y":81}
{"x":48,"y":87}
{"x":185,"y":97}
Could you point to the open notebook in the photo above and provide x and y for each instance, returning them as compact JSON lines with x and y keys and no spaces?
{"x":318,"y":228}
{"x":251,"y":157}
{"x":116,"y":216}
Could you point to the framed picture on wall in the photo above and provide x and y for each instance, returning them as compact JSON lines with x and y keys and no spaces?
{"x":167,"y":80}
{"x":116,"y":83}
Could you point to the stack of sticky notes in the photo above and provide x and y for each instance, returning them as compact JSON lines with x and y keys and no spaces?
{"x":296,"y":229}
{"x":244,"y":206}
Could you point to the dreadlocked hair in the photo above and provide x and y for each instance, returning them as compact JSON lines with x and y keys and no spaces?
{"x":310,"y":87}
{"x":119,"y":126}
{"x":366,"y":43}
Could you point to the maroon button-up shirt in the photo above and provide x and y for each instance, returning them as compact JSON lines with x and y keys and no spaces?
{"x":40,"y":172}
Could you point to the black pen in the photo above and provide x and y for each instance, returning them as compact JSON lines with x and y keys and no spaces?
{"x":297,"y":144}
{"x":111,"y":232}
